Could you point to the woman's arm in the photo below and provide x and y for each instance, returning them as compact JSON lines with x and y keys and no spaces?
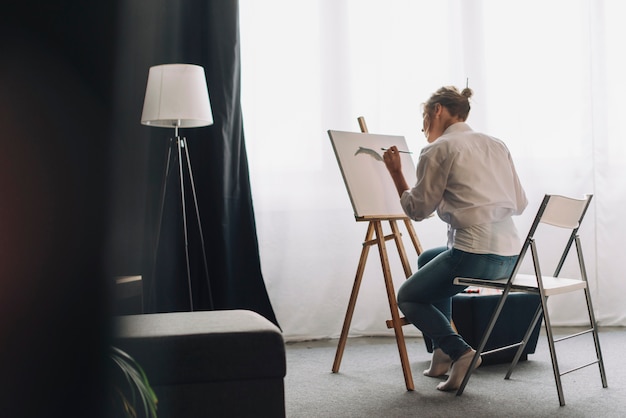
{"x":392,"y":160}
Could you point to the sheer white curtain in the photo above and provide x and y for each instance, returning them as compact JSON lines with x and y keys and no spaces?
{"x":548,"y":79}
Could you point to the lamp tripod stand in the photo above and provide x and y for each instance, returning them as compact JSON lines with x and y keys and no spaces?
{"x":178,"y":144}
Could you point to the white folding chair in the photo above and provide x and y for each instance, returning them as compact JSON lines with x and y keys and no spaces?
{"x":562,"y":212}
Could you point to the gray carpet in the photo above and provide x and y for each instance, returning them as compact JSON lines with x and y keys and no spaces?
{"x":370,"y":382}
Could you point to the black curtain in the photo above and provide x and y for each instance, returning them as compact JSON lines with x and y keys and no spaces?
{"x":204,"y":33}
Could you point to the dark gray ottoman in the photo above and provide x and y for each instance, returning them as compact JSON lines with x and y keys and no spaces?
{"x":209,"y":363}
{"x":471,"y":314}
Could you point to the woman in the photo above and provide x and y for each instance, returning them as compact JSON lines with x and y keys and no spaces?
{"x":470,"y":180}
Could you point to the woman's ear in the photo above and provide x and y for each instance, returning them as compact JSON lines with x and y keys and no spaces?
{"x":438,"y":109}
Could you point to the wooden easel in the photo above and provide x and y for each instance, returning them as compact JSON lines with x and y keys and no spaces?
{"x":375,"y":236}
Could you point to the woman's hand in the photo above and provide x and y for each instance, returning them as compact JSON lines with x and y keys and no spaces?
{"x":391,"y":157}
{"x":392,"y":160}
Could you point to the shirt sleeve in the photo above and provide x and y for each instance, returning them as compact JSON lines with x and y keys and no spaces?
{"x":520,"y":195}
{"x":422,"y":200}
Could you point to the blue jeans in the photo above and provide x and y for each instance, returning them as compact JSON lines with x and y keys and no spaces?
{"x":425,"y":298}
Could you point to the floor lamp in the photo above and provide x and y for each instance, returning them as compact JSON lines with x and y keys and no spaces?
{"x":177,"y":97}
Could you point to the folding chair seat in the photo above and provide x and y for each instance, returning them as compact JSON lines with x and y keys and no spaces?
{"x":560,"y":212}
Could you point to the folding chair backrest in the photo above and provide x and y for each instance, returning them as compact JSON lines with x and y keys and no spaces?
{"x":565,"y":212}
{"x":559,"y":211}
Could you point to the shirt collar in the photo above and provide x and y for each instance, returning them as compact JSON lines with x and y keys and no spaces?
{"x":457,"y":127}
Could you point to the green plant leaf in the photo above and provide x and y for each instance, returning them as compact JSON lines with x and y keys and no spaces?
{"x":137,"y":386}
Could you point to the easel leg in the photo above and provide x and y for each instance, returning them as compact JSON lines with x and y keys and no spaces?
{"x":393,"y":306}
{"x":413,"y":235}
{"x":397,"y":237}
{"x":353,"y":296}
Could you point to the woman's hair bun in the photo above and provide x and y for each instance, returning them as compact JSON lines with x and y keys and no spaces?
{"x":467,"y":92}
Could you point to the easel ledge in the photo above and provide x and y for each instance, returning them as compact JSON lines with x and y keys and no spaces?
{"x":381,"y":218}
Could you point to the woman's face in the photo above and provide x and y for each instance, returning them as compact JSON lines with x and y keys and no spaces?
{"x":429,"y":126}
{"x":434,"y":122}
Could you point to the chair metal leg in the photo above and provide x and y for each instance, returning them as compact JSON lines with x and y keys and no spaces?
{"x":592,"y":317}
{"x":521,"y":348}
{"x":596,"y":338}
{"x":483,"y":341}
{"x":555,"y":363}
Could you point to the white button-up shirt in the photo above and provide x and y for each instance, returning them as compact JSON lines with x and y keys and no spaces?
{"x":470,"y":180}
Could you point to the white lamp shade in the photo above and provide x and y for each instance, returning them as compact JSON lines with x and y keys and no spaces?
{"x":177,"y":96}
